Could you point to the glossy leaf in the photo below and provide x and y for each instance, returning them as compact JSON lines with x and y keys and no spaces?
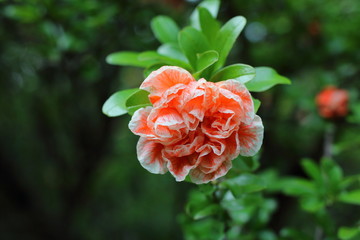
{"x":165,"y":29}
{"x":206,"y":59}
{"x":171,"y":50}
{"x":241,"y":208}
{"x":115,"y":104}
{"x":128,"y":59}
{"x":257,"y":104}
{"x":246,"y":164}
{"x":209,"y":25}
{"x":137,"y":100}
{"x":239,"y":72}
{"x":245,"y":183}
{"x":265,"y":78}
{"x":226,"y":38}
{"x":211,"y":5}
{"x":207,"y":211}
{"x":152,"y":56}
{"x":192,"y":42}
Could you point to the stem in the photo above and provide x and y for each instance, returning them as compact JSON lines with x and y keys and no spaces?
{"x":328,"y":141}
{"x":318,"y":233}
{"x":328,"y":153}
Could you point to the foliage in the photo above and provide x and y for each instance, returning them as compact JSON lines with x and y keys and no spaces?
{"x":68,"y":172}
{"x":201,"y":48}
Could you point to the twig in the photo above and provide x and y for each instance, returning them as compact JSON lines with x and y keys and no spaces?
{"x":328,"y":140}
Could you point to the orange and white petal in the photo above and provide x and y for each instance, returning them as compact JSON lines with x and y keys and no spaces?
{"x":167,"y":124}
{"x":192,"y":105}
{"x":186,"y":146}
{"x":216,"y":146}
{"x":239,"y":89}
{"x":164,"y":78}
{"x":250,"y":137}
{"x":171,"y":97}
{"x":199,"y":177}
{"x":139,"y":123}
{"x":150,"y":156}
{"x":180,"y":167}
{"x":220,"y":124}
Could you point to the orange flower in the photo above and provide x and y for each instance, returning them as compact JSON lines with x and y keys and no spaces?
{"x":194,"y":128}
{"x":332,"y":102}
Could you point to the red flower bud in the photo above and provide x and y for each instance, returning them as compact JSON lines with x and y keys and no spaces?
{"x":332,"y":102}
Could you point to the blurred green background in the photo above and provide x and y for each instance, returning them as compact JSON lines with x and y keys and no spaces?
{"x":69,"y":172}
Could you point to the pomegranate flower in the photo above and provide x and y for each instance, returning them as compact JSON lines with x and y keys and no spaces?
{"x":332,"y":102}
{"x":194,"y":128}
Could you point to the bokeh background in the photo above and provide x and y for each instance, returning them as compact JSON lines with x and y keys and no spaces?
{"x":69,"y":172}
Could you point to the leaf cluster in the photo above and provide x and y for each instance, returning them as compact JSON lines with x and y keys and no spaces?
{"x":201,"y":48}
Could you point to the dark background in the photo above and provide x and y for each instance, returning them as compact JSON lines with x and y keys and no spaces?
{"x":69,"y":172}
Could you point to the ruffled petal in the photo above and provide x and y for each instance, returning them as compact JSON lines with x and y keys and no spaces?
{"x":220,"y":124}
{"x":164,"y":78}
{"x":167,"y":125}
{"x":242,"y":96}
{"x":182,"y":156}
{"x":251,"y":137}
{"x":215,"y":152}
{"x":215,"y":146}
{"x":171,"y":97}
{"x":150,"y":156}
{"x":187,"y":146}
{"x":198,"y":176}
{"x":139,"y":123}
{"x":191,"y":104}
{"x":180,"y":167}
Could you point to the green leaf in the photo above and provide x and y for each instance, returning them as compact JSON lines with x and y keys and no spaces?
{"x":137,"y":100}
{"x":208,"y":189}
{"x":345,"y":233}
{"x":192,"y":42}
{"x":115,"y":105}
{"x":172,"y":50}
{"x":294,"y":234}
{"x":350,"y":180}
{"x":128,"y":59}
{"x":165,"y":29}
{"x":23,"y":12}
{"x":311,"y":169}
{"x":243,"y":207}
{"x":207,"y":211}
{"x":245,"y":183}
{"x":265,"y":78}
{"x":209,"y":25}
{"x":311,"y":204}
{"x":204,"y":229}
{"x":226,"y":38}
{"x":257,"y":104}
{"x":245,"y":164}
{"x":298,"y":187}
{"x":152,"y":56}
{"x":211,"y":5}
{"x":352,"y":197}
{"x":206,"y":59}
{"x":331,"y":169}
{"x":239,"y":72}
